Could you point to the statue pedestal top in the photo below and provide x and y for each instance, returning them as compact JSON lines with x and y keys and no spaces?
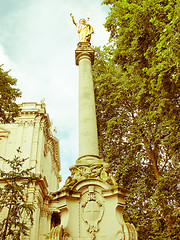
{"x":84,"y":48}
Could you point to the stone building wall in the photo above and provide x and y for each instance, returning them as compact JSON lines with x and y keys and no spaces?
{"x":32,"y":132}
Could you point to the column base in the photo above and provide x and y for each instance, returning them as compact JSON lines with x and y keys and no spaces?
{"x":91,"y":208}
{"x":89,"y":159}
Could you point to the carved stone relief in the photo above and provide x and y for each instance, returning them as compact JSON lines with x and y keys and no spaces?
{"x":45,"y":149}
{"x":66,"y":236}
{"x":83,"y":172}
{"x":92,"y":210}
{"x":120,"y":236}
{"x":58,"y":233}
{"x":26,"y":123}
{"x":132,"y":231}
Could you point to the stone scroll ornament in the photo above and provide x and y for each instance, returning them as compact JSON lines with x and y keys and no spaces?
{"x":79,"y":173}
{"x":92,"y":211}
{"x":58,"y":233}
{"x":83,"y":28}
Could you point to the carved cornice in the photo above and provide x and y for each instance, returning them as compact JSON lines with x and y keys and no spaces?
{"x":32,"y":113}
{"x":26,"y":123}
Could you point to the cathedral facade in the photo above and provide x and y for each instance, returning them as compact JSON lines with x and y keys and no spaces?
{"x":31,"y":132}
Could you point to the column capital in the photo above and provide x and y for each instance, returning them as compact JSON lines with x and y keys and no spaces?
{"x":84,"y":50}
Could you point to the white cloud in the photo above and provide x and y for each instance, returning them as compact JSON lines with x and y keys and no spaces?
{"x":4,"y":59}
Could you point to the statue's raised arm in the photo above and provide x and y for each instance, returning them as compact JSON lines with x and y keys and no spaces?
{"x":84,"y":29}
{"x":73,"y":18}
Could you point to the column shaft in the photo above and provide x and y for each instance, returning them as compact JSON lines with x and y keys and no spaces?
{"x":88,"y":139}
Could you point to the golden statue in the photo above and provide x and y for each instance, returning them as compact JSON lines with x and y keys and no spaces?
{"x":84,"y":29}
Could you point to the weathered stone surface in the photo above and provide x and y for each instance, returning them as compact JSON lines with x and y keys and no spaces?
{"x":92,"y":209}
{"x":88,"y":139}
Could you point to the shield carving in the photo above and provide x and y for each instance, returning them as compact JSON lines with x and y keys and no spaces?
{"x":92,"y":213}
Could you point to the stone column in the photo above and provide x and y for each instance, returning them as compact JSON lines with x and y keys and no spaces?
{"x":88,"y":138}
{"x":90,"y":202}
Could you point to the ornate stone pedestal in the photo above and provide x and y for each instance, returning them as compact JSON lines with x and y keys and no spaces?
{"x":91,"y":206}
{"x":90,"y":203}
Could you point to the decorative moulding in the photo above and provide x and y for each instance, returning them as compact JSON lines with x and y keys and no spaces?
{"x":4,"y":133}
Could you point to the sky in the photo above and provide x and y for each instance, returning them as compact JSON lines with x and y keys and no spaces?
{"x":38,"y":42}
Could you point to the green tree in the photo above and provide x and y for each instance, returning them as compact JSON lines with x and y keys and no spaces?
{"x":8,"y":94}
{"x":137,"y":99}
{"x":14,"y":199}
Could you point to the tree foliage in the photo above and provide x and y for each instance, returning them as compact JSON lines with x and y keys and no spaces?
{"x":8,"y":94}
{"x":13,"y":198}
{"x":137,"y":89}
